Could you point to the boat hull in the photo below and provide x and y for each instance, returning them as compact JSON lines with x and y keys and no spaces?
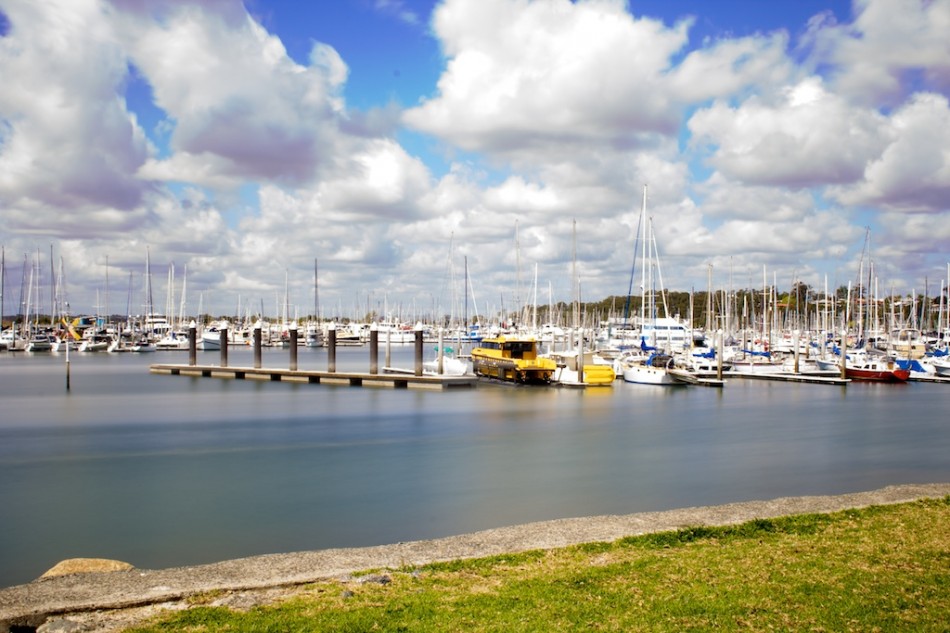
{"x":877,"y":375}
{"x":510,"y":371}
{"x":647,"y":375}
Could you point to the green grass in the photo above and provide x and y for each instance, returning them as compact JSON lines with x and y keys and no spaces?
{"x":885,"y":568}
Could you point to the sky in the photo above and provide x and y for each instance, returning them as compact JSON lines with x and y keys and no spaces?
{"x":396,"y":146}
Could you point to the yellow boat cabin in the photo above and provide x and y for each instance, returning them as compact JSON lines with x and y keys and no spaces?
{"x":512,"y":359}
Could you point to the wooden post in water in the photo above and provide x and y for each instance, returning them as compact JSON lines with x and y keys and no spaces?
{"x":418,"y":367}
{"x":389,"y":343}
{"x":719,"y":345}
{"x":293,"y":345}
{"x":192,"y":343}
{"x":844,"y":354}
{"x":580,"y":355}
{"x":374,"y":348}
{"x":441,"y":368}
{"x":257,"y":345}
{"x":795,"y":343}
{"x":331,"y":348}
{"x":223,"y":338}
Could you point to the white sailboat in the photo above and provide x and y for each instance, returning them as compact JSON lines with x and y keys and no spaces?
{"x":651,"y":365}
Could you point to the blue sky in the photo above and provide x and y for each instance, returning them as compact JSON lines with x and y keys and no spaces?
{"x":395,"y":140}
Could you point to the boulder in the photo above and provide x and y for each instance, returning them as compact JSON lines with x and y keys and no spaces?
{"x":85,"y":566}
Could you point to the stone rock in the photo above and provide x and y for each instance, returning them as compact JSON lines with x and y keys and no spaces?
{"x":85,"y":566}
{"x":60,"y":625}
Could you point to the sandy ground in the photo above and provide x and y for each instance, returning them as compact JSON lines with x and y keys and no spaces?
{"x":111,"y":601}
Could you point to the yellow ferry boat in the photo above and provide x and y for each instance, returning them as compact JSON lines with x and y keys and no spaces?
{"x":512,"y":359}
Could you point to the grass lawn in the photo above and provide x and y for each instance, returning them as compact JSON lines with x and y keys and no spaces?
{"x":884,"y":568}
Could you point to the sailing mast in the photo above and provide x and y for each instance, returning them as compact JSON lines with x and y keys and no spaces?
{"x":643,"y":263}
{"x":3,"y":280}
{"x":574,"y":281}
{"x":316,"y":292}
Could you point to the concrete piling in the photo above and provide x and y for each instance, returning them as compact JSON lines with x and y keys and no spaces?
{"x":374,"y":349}
{"x":192,"y":344}
{"x":441,"y":352}
{"x":418,"y":365}
{"x":293,"y":346}
{"x":223,"y":341}
{"x":257,"y":345}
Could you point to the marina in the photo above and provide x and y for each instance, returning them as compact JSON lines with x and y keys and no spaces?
{"x":163,"y":470}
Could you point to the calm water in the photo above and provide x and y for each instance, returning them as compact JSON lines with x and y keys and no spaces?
{"x":163,"y":471}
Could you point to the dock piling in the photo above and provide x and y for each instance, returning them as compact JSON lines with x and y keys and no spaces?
{"x":418,"y":366}
{"x":719,"y":341}
{"x":293,"y":346}
{"x":331,"y":348}
{"x":389,"y":343}
{"x":374,"y":349}
{"x":441,"y":352}
{"x":844,"y":354}
{"x":223,"y":339}
{"x":192,"y":343}
{"x":795,"y":343}
{"x":257,"y":345}
{"x":580,"y":355}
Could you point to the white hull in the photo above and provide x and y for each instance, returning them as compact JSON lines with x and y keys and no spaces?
{"x":209,"y":341}
{"x":941,"y":367}
{"x":450,"y":367}
{"x":40,"y":344}
{"x":94,"y":346}
{"x":646,"y":375}
{"x":756,"y":367}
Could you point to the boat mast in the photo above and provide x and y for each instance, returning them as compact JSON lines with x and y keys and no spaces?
{"x":52,"y":286}
{"x":3,"y":280}
{"x":518,"y":301}
{"x":108,"y":315}
{"x":534,"y":311}
{"x":574,"y":281}
{"x":316,"y":292}
{"x":643,"y":263}
{"x":181,"y":305}
{"x":148,"y":286}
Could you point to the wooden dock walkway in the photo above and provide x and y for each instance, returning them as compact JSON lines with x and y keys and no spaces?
{"x":346,"y":378}
{"x":825,"y":378}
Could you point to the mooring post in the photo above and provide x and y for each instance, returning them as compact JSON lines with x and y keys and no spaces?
{"x":441,"y":351}
{"x":844,"y":354}
{"x":389,"y":343}
{"x":795,"y":343}
{"x":418,"y":368}
{"x":580,"y":355}
{"x":293,"y":346}
{"x":331,"y":348}
{"x":192,"y":343}
{"x":257,"y":345}
{"x":374,"y":348}
{"x":719,"y":351}
{"x":223,"y":341}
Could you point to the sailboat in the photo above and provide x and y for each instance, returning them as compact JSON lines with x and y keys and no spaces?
{"x":651,"y":365}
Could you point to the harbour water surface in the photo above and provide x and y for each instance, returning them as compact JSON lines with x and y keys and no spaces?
{"x":163,"y":471}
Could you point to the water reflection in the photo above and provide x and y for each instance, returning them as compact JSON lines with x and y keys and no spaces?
{"x":164,"y":470}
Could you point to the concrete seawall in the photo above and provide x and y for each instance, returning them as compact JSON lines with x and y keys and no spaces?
{"x":109,"y":601}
